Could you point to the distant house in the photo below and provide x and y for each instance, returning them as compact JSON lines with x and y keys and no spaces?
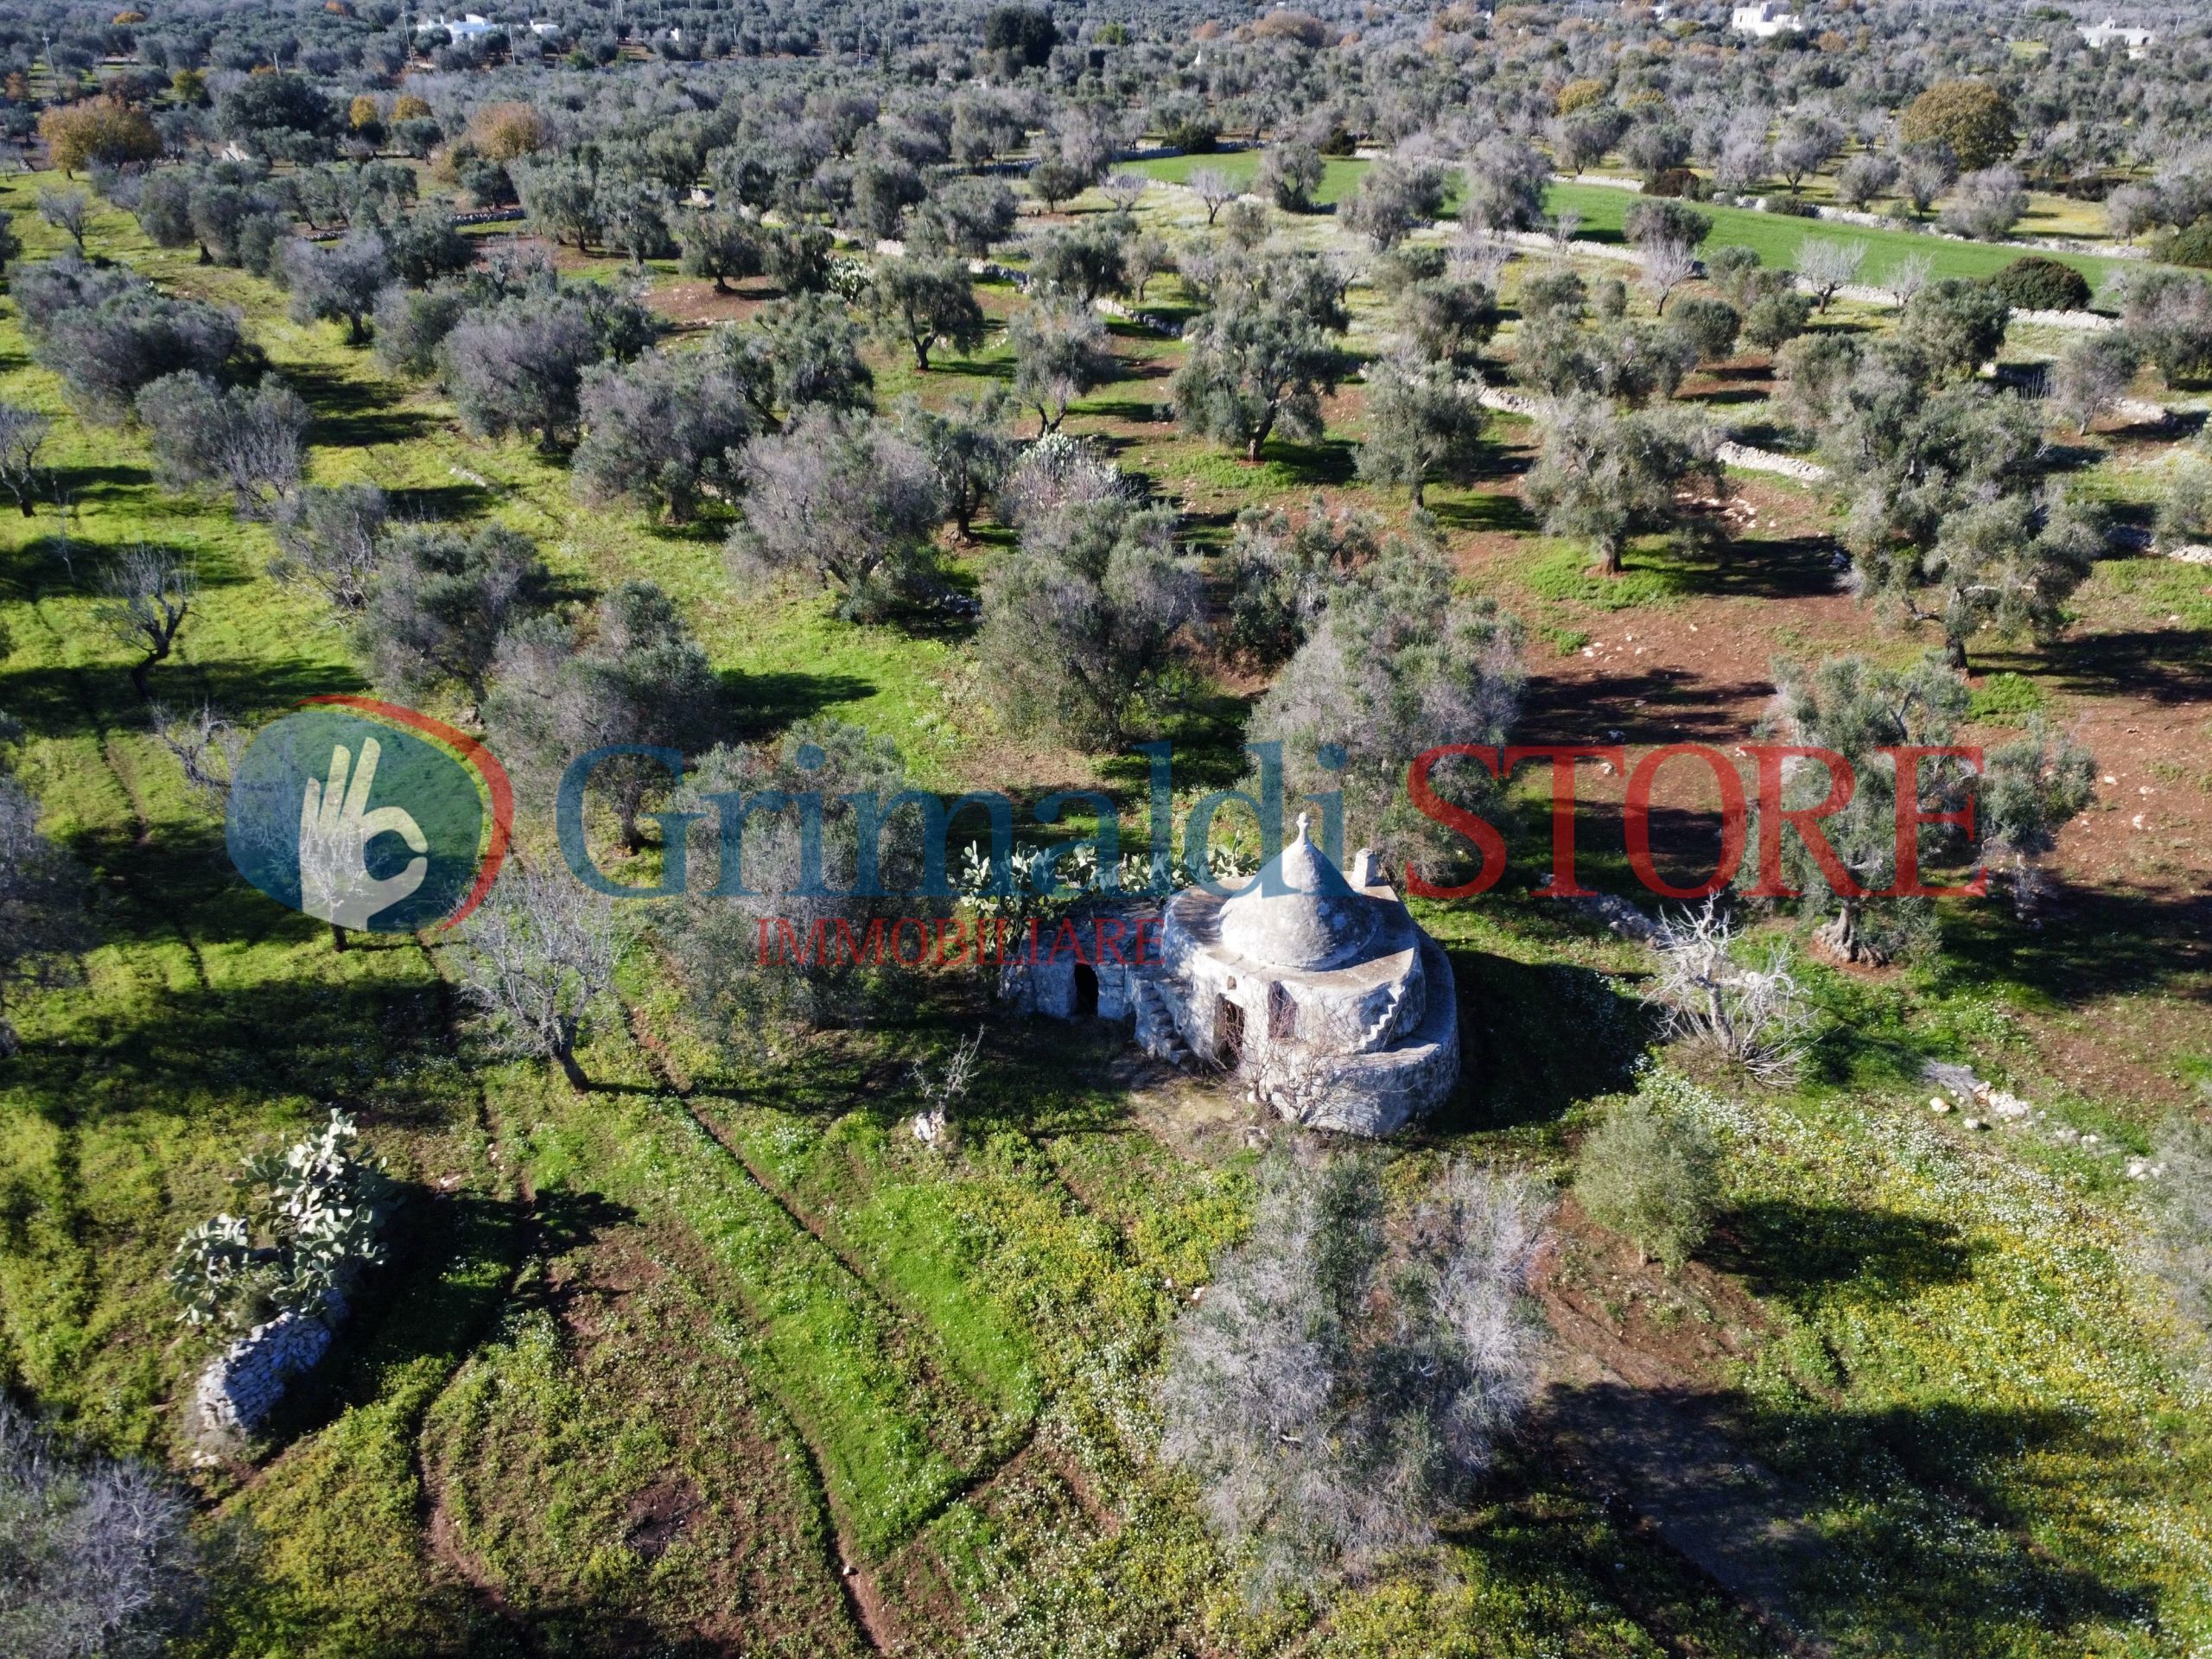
{"x":2110,"y":33}
{"x":1766,"y":19}
{"x":469,"y":27}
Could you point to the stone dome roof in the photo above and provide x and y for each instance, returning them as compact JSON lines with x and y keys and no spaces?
{"x":1299,"y":911}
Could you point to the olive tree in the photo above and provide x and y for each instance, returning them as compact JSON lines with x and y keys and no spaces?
{"x":1424,"y":425}
{"x":22,"y":436}
{"x":100,"y":1554}
{"x":966,"y":447}
{"x":1856,"y":710}
{"x":1393,"y":199}
{"x":925,"y":303}
{"x":843,"y":496}
{"x":1082,"y":621}
{"x":1605,"y":475}
{"x":1289,"y":174}
{"x":661,"y":431}
{"x":1503,"y":180}
{"x":1255,"y":367}
{"x":1355,"y":1364}
{"x":253,"y":443}
{"x":719,"y":244}
{"x":630,"y":672}
{"x":538,"y":958}
{"x":440,"y":599}
{"x":340,"y":282}
{"x":330,"y":541}
{"x":1060,"y":354}
{"x":1397,"y":664}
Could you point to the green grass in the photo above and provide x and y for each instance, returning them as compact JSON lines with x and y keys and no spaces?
{"x":2006,"y":700}
{"x":836,"y":1341}
{"x":1649,"y":576}
{"x":1777,"y":238}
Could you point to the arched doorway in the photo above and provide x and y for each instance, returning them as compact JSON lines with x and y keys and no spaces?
{"x":1086,"y":990}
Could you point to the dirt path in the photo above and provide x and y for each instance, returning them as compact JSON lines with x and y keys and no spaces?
{"x":1649,"y":1435}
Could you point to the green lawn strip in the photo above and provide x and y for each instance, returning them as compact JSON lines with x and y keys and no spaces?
{"x":887,"y":1209}
{"x":562,"y":1446}
{"x":818,"y":1340}
{"x":1967,"y":1374}
{"x":1776,"y":237}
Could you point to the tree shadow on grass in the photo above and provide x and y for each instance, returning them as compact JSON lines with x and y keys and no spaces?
{"x":77,"y":701}
{"x":99,"y":483}
{"x":1895,"y":1528}
{"x":762,"y":703}
{"x":432,"y":503}
{"x":1798,"y":567}
{"x":1493,"y":512}
{"x":2167,"y":665}
{"x":1805,"y":1254}
{"x":2092,"y":943}
{"x":1536,"y":1039}
{"x":350,"y":414}
{"x":1331,"y":462}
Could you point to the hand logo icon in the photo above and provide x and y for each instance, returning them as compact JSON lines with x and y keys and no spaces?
{"x":336,"y":827}
{"x":300,"y":822}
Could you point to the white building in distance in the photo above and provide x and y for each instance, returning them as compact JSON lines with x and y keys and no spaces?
{"x":2111,"y":33}
{"x":1766,"y":19}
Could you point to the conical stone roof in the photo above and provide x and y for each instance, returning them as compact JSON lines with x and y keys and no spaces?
{"x":1299,"y":911}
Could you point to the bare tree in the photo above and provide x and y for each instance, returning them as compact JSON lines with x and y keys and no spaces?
{"x":1667,"y":265}
{"x":1828,"y":265}
{"x":1212,"y":186}
{"x":1123,"y":189}
{"x":2093,"y":373}
{"x":1911,"y":274}
{"x":539,"y":959}
{"x":1563,"y":228}
{"x":206,"y":744}
{"x":330,"y":540}
{"x":1348,"y":1374}
{"x":99,"y":1552}
{"x":22,"y":435}
{"x":149,"y":596}
{"x":69,"y":212}
{"x":1752,"y":1016}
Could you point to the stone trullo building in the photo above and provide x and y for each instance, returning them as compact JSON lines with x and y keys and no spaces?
{"x":1322,"y":994}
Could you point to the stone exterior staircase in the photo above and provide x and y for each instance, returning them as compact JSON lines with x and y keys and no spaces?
{"x":1156,"y":1030}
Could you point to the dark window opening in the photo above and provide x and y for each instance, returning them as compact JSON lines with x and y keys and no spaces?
{"x":1086,"y":990}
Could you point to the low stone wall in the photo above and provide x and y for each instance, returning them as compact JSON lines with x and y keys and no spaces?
{"x":243,"y":1383}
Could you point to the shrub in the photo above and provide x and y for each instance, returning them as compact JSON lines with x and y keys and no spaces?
{"x":2183,"y":1243}
{"x":1652,"y":1176}
{"x":2039,"y":284}
{"x":1710,"y":325}
{"x":2190,"y":245}
{"x":311,"y":1218}
{"x":98,"y":1552}
{"x":1677,"y":181}
{"x":1347,"y":1378}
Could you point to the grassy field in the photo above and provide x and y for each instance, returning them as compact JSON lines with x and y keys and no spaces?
{"x":715,"y":1354}
{"x":1776,"y":237}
